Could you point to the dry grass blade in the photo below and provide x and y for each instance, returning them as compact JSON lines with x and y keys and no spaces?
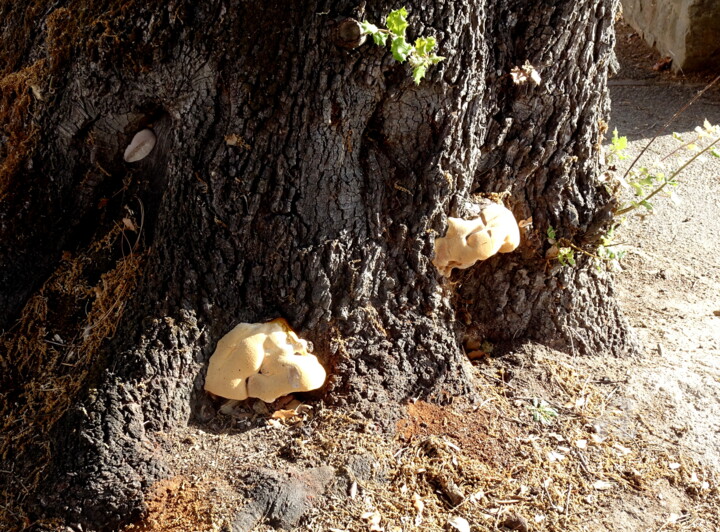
{"x":50,"y":352}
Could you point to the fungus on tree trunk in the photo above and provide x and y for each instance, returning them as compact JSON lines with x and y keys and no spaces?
{"x":468,"y":241}
{"x":323,"y":210}
{"x":263,"y":360}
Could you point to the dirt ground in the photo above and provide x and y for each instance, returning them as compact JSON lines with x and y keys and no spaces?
{"x":549,"y":441}
{"x":670,"y":284}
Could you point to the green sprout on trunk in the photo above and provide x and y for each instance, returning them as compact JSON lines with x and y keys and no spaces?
{"x":420,"y":54}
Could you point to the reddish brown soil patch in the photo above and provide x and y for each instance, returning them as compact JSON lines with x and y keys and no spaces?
{"x":475,"y":431}
{"x":176,"y":504}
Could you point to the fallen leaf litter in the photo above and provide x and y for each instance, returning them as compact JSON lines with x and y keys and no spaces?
{"x":487,"y":461}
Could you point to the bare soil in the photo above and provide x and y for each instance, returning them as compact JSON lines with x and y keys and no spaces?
{"x":549,"y":441}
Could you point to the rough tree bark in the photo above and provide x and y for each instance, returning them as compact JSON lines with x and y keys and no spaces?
{"x":291,"y":178}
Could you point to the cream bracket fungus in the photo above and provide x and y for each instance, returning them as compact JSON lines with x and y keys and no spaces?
{"x":262,"y":360}
{"x":468,"y":241}
{"x":140,"y":146}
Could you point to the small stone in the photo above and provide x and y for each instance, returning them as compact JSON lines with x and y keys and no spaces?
{"x":515,"y":522}
{"x":259,"y":407}
{"x":458,"y":524}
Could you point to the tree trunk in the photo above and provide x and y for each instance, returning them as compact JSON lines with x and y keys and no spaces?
{"x":291,"y":178}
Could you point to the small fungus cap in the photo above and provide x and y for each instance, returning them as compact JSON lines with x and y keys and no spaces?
{"x":468,"y":241}
{"x":140,"y":146}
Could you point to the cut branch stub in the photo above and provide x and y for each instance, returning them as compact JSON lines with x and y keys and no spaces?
{"x":468,"y":241}
{"x":347,"y":33}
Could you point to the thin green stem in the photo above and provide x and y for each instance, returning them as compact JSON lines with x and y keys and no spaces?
{"x":573,"y":246}
{"x":679,"y":148}
{"x":667,"y":180}
{"x":667,"y":124}
{"x":564,"y":242}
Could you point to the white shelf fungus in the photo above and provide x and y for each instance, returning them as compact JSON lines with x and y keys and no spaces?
{"x":468,"y":241}
{"x":140,"y":146}
{"x":263,"y":360}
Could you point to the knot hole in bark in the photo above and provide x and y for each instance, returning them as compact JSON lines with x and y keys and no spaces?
{"x":347,"y":33}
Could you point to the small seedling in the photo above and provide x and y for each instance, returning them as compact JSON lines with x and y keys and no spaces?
{"x":420,"y":55}
{"x":608,"y":249}
{"x":565,"y":254}
{"x":542,"y":412}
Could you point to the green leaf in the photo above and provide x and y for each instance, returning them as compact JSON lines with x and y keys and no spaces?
{"x":380,"y":38}
{"x":369,"y":29}
{"x":419,"y":73}
{"x":424,"y":45}
{"x":619,"y":143}
{"x":397,"y":22}
{"x":551,"y":233}
{"x":419,"y":56}
{"x":400,"y":49}
{"x":542,"y":412}
{"x":638,"y":189}
{"x":715,"y":153}
{"x":566,"y":256}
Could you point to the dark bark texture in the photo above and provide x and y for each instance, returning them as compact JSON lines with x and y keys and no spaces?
{"x":291,"y":178}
